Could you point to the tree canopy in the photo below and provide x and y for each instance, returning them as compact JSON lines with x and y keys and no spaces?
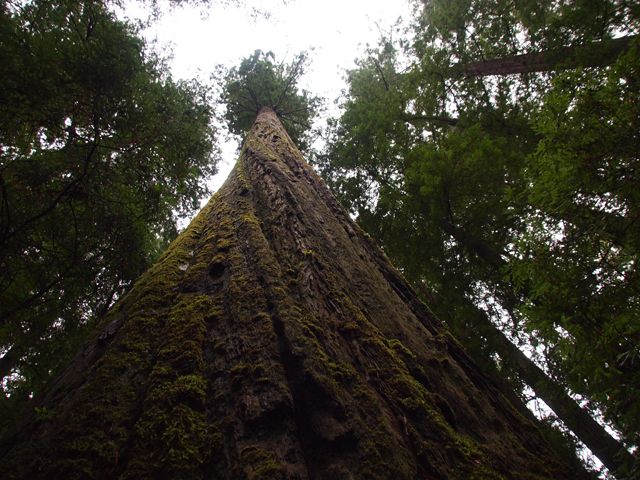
{"x":100,"y":152}
{"x":260,"y":81}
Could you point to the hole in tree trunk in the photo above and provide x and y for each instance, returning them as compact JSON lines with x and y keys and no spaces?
{"x":216,"y":271}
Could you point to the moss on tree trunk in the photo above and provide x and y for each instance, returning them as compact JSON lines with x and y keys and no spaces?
{"x":274,"y":340}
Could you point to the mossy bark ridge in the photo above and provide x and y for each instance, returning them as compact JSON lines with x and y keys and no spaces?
{"x":274,"y":340}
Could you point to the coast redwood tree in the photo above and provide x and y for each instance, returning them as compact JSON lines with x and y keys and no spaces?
{"x":274,"y":340}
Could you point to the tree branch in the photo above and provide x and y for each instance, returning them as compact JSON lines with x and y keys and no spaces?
{"x":596,"y":54}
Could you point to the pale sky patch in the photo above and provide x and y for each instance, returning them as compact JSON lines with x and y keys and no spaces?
{"x":334,"y":32}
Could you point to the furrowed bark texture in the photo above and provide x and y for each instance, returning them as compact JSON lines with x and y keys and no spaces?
{"x":274,"y":340}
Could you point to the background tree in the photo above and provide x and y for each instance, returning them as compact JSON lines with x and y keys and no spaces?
{"x":439,"y":169}
{"x":101,"y":150}
{"x":580,"y":263}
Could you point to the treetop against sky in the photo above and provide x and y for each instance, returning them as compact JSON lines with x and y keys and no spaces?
{"x":333,"y":32}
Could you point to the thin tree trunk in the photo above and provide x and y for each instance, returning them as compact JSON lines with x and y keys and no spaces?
{"x":608,"y":450}
{"x":597,"y":54}
{"x":274,"y":340}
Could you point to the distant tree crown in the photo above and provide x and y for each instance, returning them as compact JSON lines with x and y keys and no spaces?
{"x":258,"y":82}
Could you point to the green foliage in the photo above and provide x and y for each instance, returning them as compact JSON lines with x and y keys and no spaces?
{"x":582,"y":247}
{"x":259,"y":82}
{"x":99,"y":148}
{"x":478,"y":30}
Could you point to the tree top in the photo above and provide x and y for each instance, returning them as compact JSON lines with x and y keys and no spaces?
{"x":259,"y":81}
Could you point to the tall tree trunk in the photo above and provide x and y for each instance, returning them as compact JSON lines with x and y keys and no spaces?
{"x":274,"y":340}
{"x":597,"y":54}
{"x":608,"y":450}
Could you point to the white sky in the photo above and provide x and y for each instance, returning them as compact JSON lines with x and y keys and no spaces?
{"x":335,"y":32}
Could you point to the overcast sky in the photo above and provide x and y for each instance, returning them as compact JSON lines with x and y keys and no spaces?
{"x":335,"y":32}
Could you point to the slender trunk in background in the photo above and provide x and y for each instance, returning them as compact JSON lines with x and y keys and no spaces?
{"x":608,"y":450}
{"x":274,"y":340}
{"x":596,"y":54}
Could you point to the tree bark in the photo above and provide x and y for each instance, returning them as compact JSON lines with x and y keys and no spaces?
{"x":274,"y":340}
{"x":597,"y":54}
